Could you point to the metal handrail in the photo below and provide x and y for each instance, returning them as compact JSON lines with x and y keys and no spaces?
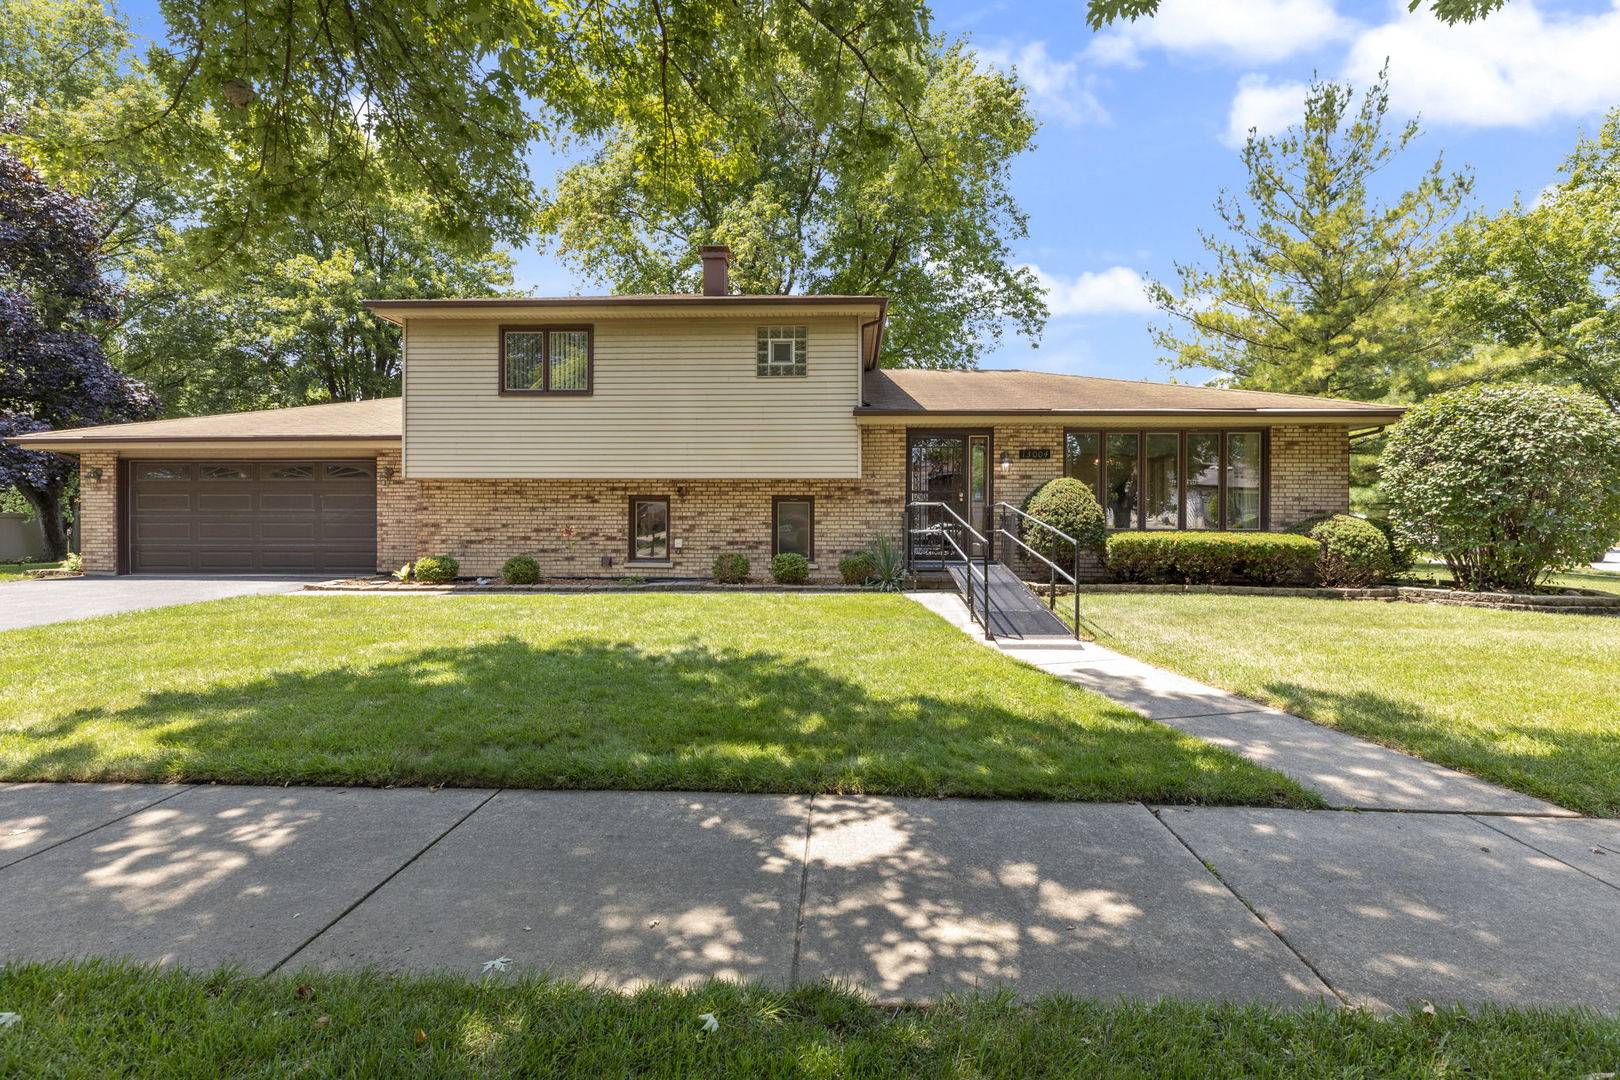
{"x":1074,"y":546}
{"x":981,"y":616}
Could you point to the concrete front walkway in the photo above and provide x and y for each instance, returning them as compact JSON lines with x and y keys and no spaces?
{"x":910,"y":898}
{"x":1350,"y":773}
{"x":52,"y":600}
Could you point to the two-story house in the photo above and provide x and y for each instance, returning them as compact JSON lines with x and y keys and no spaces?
{"x":619,"y":435}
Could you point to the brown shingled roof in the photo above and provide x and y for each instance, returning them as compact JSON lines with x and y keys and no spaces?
{"x":914,"y":390}
{"x":378,"y":418}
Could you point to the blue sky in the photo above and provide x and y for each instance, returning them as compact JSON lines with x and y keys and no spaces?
{"x":1140,"y":126}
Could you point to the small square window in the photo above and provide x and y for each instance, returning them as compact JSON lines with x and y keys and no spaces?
{"x":781,"y":350}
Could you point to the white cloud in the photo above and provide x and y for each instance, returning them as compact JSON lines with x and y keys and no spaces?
{"x":1056,"y":87}
{"x":1264,"y":106}
{"x":1515,"y":68}
{"x":1251,"y":31}
{"x":1119,"y":290}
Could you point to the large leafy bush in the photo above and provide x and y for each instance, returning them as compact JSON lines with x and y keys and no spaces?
{"x":1069,"y":507}
{"x":1506,"y":483}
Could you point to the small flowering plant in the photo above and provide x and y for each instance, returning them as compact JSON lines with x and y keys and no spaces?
{"x":569,"y":534}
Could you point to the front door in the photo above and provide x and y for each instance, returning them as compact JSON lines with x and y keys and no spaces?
{"x":951,"y":468}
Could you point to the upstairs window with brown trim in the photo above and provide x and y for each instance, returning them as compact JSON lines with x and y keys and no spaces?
{"x":546,"y":360}
{"x":781,"y":350}
{"x":1173,"y":479}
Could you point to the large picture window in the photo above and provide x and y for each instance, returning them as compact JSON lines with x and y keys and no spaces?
{"x":649,"y":528}
{"x":1172,"y":479}
{"x":545,"y":360}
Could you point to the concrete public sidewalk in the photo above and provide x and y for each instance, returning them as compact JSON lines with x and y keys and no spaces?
{"x":910,"y":898}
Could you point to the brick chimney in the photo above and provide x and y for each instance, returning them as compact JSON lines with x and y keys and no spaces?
{"x":716,"y":269}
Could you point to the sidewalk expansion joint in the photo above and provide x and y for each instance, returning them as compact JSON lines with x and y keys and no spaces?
{"x":1282,"y":938}
{"x":1547,"y":854}
{"x":179,"y":790}
{"x":369,"y":893}
{"x":804,"y":892}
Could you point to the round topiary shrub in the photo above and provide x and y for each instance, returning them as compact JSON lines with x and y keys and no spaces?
{"x":437,"y":569}
{"x":520,"y":570}
{"x":856,"y":568}
{"x":1069,"y":506}
{"x":1506,"y":483}
{"x":1355,"y":552}
{"x":789,"y":568}
{"x":730,"y":567}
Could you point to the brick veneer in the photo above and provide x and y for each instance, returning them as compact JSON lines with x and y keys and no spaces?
{"x":98,"y":512}
{"x":483,"y":522}
{"x":396,"y":514}
{"x":1310,"y":472}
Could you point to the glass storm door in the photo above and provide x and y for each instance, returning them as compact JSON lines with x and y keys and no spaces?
{"x":950,"y":468}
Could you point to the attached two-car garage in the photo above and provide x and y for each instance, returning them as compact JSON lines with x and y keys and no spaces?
{"x":218,"y":516}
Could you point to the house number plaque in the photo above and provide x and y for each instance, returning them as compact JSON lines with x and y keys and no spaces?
{"x":1035,"y":453}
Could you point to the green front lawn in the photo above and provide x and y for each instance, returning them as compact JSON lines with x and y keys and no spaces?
{"x":1529,"y":700}
{"x":851,"y":693}
{"x":14,"y":571}
{"x":98,"y":1019}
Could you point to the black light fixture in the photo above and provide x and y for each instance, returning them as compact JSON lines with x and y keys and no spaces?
{"x":93,"y":473}
{"x":386,"y":472}
{"x":1006,"y":462}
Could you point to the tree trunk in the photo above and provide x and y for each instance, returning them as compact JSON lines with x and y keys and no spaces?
{"x":47,"y":504}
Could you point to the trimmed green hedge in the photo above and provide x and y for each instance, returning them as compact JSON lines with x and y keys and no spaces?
{"x":789,"y":568}
{"x":1069,"y":507}
{"x":1212,"y":558}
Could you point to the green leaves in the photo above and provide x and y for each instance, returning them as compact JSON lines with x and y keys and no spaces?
{"x":1506,"y":483}
{"x":1542,"y":282}
{"x":839,"y":188}
{"x":1317,"y":286}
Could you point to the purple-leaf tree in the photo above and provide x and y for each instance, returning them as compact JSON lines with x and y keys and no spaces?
{"x":53,"y":299}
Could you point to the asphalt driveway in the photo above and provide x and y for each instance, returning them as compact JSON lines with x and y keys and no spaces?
{"x":36,"y":603}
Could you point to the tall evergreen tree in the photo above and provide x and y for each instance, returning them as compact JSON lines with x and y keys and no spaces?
{"x":1318,"y":285}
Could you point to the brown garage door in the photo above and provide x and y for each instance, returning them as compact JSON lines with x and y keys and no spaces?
{"x":252,"y":516}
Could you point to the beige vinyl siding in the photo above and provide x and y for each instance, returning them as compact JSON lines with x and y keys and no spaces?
{"x":671,"y":397}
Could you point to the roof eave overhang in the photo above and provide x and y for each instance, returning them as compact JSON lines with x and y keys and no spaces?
{"x":397,"y":311}
{"x":1253,"y":414}
{"x":246,"y":443}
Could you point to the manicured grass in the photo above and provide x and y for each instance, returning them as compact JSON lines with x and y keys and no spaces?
{"x":852,"y":693}
{"x":98,"y":1019}
{"x":1526,"y":699}
{"x":12,"y":571}
{"x":1425,"y":573}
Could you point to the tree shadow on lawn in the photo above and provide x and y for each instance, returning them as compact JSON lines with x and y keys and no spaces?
{"x":1579,"y":770}
{"x":599,"y":714}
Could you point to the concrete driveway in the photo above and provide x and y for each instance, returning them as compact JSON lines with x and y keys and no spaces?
{"x":36,"y":603}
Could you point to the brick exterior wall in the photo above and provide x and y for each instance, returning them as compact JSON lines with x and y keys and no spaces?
{"x":396,"y":514}
{"x":1310,"y":472}
{"x":483,"y":522}
{"x":98,"y":512}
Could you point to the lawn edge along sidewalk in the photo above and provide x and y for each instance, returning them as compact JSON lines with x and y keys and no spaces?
{"x":1348,"y":772}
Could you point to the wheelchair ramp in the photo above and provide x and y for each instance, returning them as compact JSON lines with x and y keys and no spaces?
{"x":1015,"y":611}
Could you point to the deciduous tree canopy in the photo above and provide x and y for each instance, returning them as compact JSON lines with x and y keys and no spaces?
{"x":842,"y":190}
